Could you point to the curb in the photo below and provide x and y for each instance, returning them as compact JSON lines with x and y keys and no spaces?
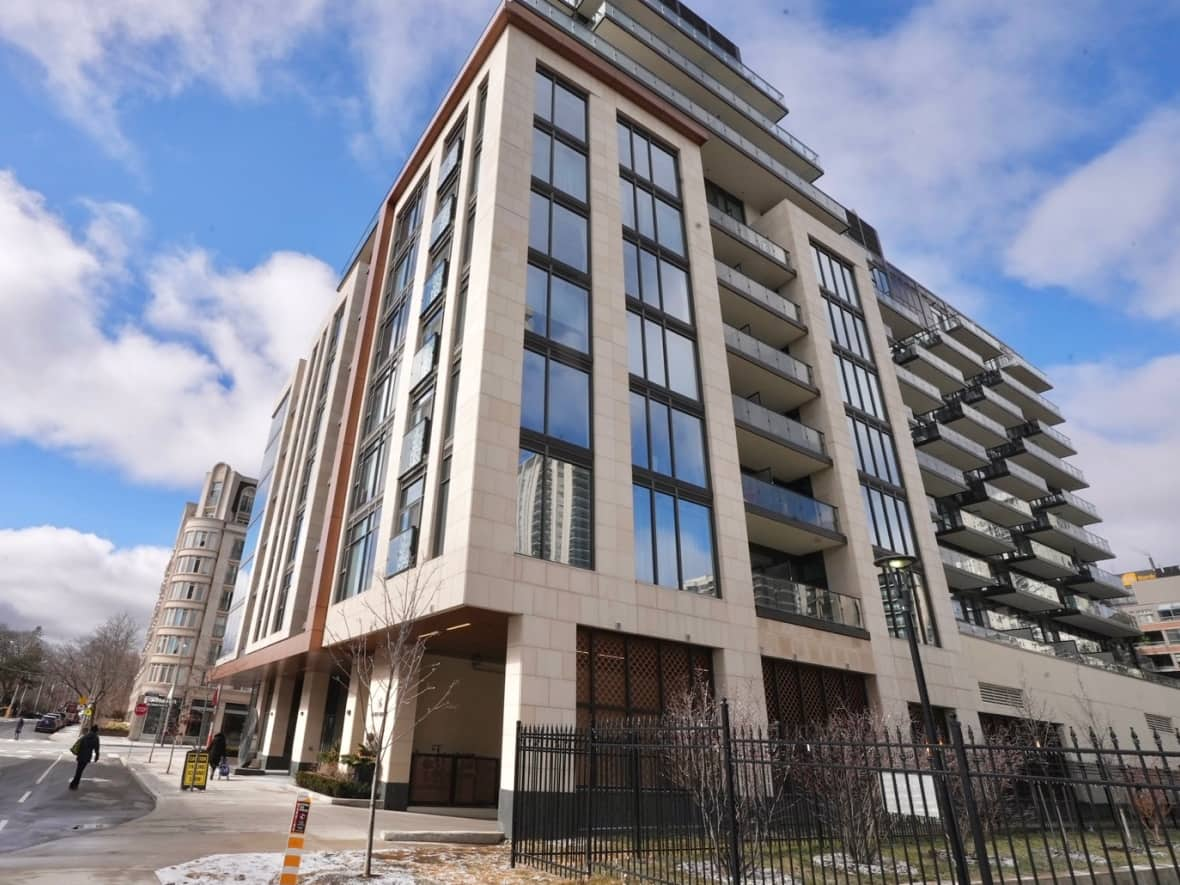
{"x":139,"y":779}
{"x":456,"y":837}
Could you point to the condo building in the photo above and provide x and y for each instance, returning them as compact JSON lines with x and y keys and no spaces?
{"x":1156,"y":608}
{"x":640,"y":404}
{"x":184,"y":639}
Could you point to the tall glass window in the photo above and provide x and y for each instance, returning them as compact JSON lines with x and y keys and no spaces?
{"x":671,"y":501}
{"x":554,"y":474}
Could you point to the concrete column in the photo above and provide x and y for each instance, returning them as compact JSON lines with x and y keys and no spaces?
{"x":737,"y":676}
{"x":305,"y":749}
{"x":399,"y":737}
{"x":355,"y":719}
{"x":273,"y":728}
{"x":540,"y":686}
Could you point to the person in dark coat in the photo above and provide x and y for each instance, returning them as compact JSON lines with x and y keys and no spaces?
{"x":87,"y":750}
{"x":20,"y":725}
{"x":216,"y":751}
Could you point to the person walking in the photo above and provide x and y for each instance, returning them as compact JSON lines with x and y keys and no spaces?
{"x":20,"y":724}
{"x":87,"y":749}
{"x":216,"y":752}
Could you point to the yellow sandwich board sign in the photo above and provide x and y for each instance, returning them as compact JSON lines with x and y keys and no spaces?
{"x":195,"y":773}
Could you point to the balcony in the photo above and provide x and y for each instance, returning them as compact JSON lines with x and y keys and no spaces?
{"x":1032,"y":404}
{"x":919,"y":395}
{"x":994,"y":504}
{"x":696,"y":44}
{"x":767,"y":439}
{"x":903,"y":316}
{"x":948,"y":445}
{"x":965,"y":572}
{"x":943,"y":346}
{"x":782,"y":599}
{"x":973,"y":335}
{"x":1034,"y":558}
{"x":939,"y":478}
{"x":1069,"y":506}
{"x":1048,"y":438}
{"x":1057,"y":533}
{"x":1098,"y":583}
{"x":784,"y":520}
{"x":1025,"y":594}
{"x":652,"y":47}
{"x":1054,"y":470}
{"x":918,"y":358}
{"x":972,"y":533}
{"x":1022,"y":370}
{"x":746,"y":302}
{"x":760,"y":258}
{"x":1095,"y":617}
{"x":756,"y":370}
{"x":989,"y":403}
{"x":1012,"y":478}
{"x":970,"y":422}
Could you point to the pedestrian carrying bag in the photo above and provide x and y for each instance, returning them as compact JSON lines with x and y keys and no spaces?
{"x":77,"y":747}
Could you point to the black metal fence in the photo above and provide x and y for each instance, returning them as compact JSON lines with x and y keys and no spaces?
{"x":677,"y":803}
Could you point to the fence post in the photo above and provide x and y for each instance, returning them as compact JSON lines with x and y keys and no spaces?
{"x":589,"y":801}
{"x":516,"y":796}
{"x":981,"y":853}
{"x":735,"y":854}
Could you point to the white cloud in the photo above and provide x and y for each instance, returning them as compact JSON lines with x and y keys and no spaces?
{"x":96,"y":55}
{"x":162,"y":395}
{"x":67,"y":581}
{"x":1109,"y":230}
{"x":1125,"y":422}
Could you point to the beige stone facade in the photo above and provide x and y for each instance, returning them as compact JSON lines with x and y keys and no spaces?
{"x":792,"y":601}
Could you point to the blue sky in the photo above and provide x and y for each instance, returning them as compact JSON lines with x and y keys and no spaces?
{"x":177,"y":194}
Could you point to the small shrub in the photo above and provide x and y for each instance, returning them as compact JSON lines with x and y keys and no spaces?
{"x":111,"y":728}
{"x":331,"y":786}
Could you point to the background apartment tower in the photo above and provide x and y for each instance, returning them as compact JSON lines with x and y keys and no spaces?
{"x":185,"y":637}
{"x":642,"y":404}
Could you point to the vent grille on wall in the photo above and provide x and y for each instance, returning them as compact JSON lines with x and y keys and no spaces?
{"x":1004,"y":695}
{"x":1161,"y":725}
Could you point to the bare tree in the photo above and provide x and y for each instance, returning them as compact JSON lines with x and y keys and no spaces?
{"x":102,"y":665}
{"x":22,"y":661}
{"x":695,"y":760}
{"x":382,"y":649}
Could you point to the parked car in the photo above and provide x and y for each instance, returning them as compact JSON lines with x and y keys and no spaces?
{"x":47,"y":723}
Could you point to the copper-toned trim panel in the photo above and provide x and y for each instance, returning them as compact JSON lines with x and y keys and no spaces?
{"x":294,"y":645}
{"x":571,"y":50}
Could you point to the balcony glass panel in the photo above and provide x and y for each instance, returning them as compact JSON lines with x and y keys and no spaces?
{"x":789,"y":504}
{"x":1034,"y":587}
{"x":755,"y":291}
{"x":749,"y":236}
{"x":757,"y":350}
{"x":965,"y":563}
{"x":791,"y":598}
{"x":1058,"y":499}
{"x":776,"y":425}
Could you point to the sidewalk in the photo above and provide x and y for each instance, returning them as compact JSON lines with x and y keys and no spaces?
{"x":243,"y":814}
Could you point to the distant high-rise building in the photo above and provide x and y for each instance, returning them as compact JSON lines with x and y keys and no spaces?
{"x":185,"y":637}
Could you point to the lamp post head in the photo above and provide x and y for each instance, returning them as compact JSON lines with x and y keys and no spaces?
{"x":895,"y":562}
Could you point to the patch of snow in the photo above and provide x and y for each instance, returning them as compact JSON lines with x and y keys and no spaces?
{"x":264,"y":869}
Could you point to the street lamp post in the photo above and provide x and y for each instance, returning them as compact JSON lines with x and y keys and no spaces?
{"x":898,"y":573}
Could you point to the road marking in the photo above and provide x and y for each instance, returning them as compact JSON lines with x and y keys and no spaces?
{"x":45,"y":773}
{"x":27,"y":794}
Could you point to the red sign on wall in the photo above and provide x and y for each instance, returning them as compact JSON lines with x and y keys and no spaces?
{"x":141,"y":709}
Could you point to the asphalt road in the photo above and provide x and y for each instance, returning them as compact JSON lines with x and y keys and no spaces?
{"x":36,"y":805}
{"x":8,"y":729}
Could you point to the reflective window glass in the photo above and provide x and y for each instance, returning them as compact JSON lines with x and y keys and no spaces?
{"x":639,"y":452}
{"x":570,"y":244}
{"x":569,"y":112}
{"x":543,"y":96}
{"x":542,"y":142}
{"x":663,"y":170}
{"x":539,"y":222}
{"x":627,"y":203}
{"x":667,"y":558}
{"x":532,"y":414}
{"x":569,"y":171}
{"x":688,"y":447}
{"x":674,"y":289}
{"x":671,"y":235}
{"x":682,"y":365}
{"x":696,"y":548}
{"x":661,"y":440}
{"x":569,"y":404}
{"x":624,"y":145}
{"x":631,"y":269}
{"x":641,"y":503}
{"x":635,"y":344}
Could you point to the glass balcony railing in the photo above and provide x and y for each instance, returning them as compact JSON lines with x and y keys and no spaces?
{"x":788,"y":597}
{"x":1032,"y":586}
{"x":725,"y":57}
{"x":927,"y":431}
{"x":1003,"y":467}
{"x":694,"y":70}
{"x":1097,"y":609}
{"x":1006,"y":638}
{"x":760,"y":351}
{"x":931,"y":464}
{"x":1097,"y":575}
{"x":624,"y":63}
{"x":1027,"y":548}
{"x":959,"y":410}
{"x":791,"y":505}
{"x":756,"y":292}
{"x":778,"y":426}
{"x":756,"y":241}
{"x":1026,"y":446}
{"x":965,"y":563}
{"x":1079,"y":534}
{"x":1062,"y":498}
{"x":965,"y":519}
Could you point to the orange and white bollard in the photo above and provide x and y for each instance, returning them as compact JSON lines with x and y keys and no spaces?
{"x":294,"y":853}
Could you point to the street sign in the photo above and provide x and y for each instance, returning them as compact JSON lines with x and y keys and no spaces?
{"x":82,"y":701}
{"x":141,"y":709}
{"x":290,"y":873}
{"x":195,"y":773}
